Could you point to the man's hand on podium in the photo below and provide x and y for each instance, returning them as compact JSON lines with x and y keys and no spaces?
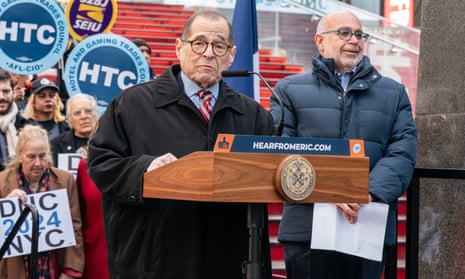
{"x":161,"y":161}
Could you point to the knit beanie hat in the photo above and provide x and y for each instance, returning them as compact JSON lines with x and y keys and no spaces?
{"x":140,"y":42}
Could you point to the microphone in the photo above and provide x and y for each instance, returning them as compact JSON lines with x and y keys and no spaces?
{"x":236,"y":73}
{"x":245,"y":73}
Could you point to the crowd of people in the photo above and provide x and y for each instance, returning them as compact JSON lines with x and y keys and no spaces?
{"x":31,"y":139}
{"x":181,"y":111}
{"x":39,"y":121}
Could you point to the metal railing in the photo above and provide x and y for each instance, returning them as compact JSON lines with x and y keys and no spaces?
{"x":28,"y":208}
{"x":380,"y":28}
{"x":413,"y":208}
{"x":412,"y":226}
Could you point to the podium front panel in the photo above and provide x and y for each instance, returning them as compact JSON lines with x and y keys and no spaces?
{"x":249,"y":177}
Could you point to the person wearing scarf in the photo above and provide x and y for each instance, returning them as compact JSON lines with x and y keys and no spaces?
{"x":8,"y":116}
{"x":31,"y":171}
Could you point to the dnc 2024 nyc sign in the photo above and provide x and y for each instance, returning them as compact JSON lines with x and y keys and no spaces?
{"x":55,"y":223}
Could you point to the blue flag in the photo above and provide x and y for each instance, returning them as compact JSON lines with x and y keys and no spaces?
{"x":244,"y":24}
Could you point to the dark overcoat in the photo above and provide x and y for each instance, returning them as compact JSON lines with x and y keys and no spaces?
{"x":373,"y":108}
{"x":155,"y":238}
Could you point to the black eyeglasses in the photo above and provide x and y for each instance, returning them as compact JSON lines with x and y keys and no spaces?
{"x":346,"y":34}
{"x":200,"y":46}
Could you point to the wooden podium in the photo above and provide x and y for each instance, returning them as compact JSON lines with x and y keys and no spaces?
{"x":249,"y":177}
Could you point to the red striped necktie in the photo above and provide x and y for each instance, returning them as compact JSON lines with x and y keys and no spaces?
{"x":205,"y":107}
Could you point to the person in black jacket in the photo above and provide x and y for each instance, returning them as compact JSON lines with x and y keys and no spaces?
{"x":44,"y":108}
{"x":152,"y":124}
{"x":81,"y":113}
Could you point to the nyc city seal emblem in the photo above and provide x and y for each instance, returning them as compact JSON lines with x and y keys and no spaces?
{"x":295,"y":178}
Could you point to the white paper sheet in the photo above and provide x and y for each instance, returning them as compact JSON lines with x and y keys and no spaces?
{"x":363,"y":239}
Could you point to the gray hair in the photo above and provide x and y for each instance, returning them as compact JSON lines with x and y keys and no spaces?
{"x":211,"y":15}
{"x":77,"y":97}
{"x":321,"y":25}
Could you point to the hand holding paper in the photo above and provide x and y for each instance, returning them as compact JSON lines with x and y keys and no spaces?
{"x":364,"y":238}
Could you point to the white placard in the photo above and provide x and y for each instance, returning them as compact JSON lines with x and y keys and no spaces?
{"x":69,"y":162}
{"x":363,"y":239}
{"x":55,"y":223}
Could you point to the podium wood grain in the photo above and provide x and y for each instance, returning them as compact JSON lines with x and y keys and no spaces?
{"x":249,"y":177}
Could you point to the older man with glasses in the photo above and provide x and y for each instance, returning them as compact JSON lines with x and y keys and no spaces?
{"x":346,"y":97}
{"x":81,"y":113}
{"x":151,"y":124}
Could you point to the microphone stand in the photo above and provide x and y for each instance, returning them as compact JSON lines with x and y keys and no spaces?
{"x":279,"y":127}
{"x":255,"y":215}
{"x":256,"y":212}
{"x":245,"y":73}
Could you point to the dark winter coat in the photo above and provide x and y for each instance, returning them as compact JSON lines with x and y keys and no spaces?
{"x":150,"y":238}
{"x":66,"y":142}
{"x":373,"y":108}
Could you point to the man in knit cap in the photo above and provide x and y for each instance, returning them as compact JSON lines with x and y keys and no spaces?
{"x":146,"y":51}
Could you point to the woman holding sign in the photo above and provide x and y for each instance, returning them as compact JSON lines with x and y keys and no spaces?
{"x":30,"y":172}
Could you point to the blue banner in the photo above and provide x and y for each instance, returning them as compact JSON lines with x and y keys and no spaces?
{"x":244,"y":24}
{"x":103,"y":65}
{"x":288,"y":145}
{"x":33,"y":35}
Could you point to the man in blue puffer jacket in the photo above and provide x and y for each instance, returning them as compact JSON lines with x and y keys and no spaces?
{"x":346,"y":97}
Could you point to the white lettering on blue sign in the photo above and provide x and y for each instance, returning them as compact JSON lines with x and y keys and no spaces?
{"x":98,"y":3}
{"x":41,"y":33}
{"x":55,"y":223}
{"x":87,"y":25}
{"x":286,"y":146}
{"x":33,"y":35}
{"x":103,"y":65}
{"x":108,"y":72}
